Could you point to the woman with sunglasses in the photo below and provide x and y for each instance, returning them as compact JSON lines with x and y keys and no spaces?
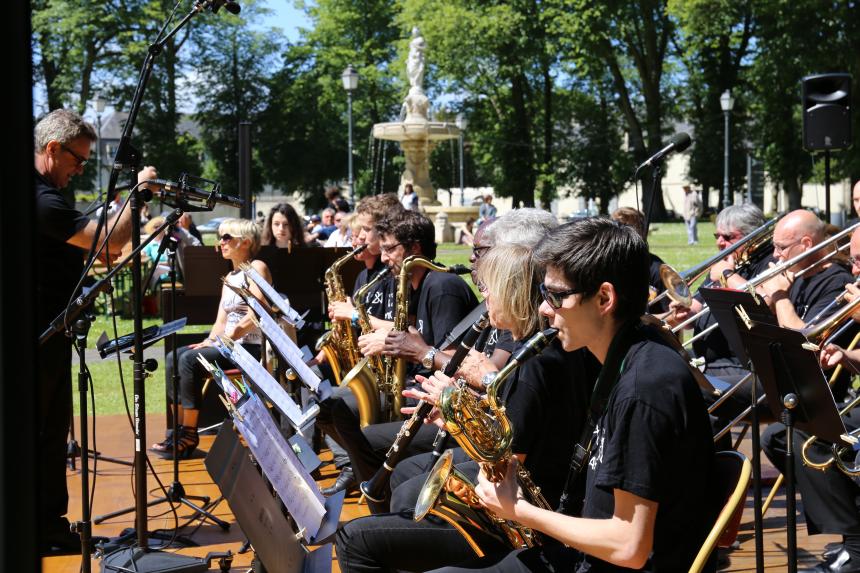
{"x":546,"y":411}
{"x":238,"y":241}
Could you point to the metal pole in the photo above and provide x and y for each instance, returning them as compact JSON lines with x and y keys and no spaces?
{"x":462,"y":174}
{"x":827,"y":185}
{"x":726,"y":164}
{"x":749,"y":178}
{"x":99,"y":151}
{"x":349,"y":117}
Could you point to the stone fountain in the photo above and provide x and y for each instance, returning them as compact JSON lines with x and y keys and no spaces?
{"x":418,"y":136}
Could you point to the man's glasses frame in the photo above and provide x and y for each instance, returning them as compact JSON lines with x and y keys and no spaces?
{"x":82,"y":161}
{"x":389,"y":248}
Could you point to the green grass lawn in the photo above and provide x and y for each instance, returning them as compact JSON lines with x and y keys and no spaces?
{"x":668,"y":241}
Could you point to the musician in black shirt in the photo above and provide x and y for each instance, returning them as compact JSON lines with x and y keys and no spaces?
{"x":647,"y":498}
{"x":63,"y":140}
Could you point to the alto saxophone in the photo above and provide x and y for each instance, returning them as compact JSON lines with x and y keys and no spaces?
{"x":394,"y":370}
{"x":339,"y":344}
{"x":482,"y":429}
{"x":363,"y":379}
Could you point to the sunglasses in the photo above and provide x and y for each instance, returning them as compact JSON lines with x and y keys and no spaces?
{"x":81,"y":160}
{"x":725,"y":236}
{"x":480,"y":251}
{"x":556,"y":298}
{"x":226,"y":237}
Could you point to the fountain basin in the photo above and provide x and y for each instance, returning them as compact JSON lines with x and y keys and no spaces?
{"x":416,"y":131}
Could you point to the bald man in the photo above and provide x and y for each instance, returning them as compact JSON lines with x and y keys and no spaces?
{"x":829,"y":497}
{"x":855,"y":197}
{"x":794,"y":302}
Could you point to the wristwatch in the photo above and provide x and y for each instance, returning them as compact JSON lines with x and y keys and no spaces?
{"x":488,"y":378}
{"x":427,"y":361}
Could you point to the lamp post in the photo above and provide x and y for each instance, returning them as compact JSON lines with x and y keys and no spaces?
{"x":727,"y":102}
{"x":462,"y":122}
{"x":99,"y":104}
{"x":350,"y":83}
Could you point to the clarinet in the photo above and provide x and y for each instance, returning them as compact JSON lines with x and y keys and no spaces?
{"x":374,"y":488}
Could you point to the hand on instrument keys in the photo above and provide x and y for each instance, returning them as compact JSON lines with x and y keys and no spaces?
{"x":432,"y":388}
{"x":831,"y":356}
{"x":341,"y":310}
{"x":405,"y":344}
{"x":473,"y":368}
{"x":501,"y":498}
{"x":373,"y":343}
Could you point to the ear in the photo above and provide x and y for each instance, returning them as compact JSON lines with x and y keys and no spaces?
{"x":414,"y":249}
{"x":52,"y":148}
{"x":607,"y":299}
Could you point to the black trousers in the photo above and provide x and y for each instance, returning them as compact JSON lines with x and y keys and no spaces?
{"x":192,"y":374}
{"x":553,"y":557}
{"x":395,"y":541}
{"x":55,"y":409}
{"x":830,"y":498}
{"x":366,"y":447}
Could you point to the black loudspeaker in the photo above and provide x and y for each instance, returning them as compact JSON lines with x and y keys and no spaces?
{"x":826,"y":100}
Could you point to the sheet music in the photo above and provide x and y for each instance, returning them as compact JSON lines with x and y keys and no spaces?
{"x":286,"y":347}
{"x":278,"y":301}
{"x":233,"y":393}
{"x":294,"y":485}
{"x":268,"y":386}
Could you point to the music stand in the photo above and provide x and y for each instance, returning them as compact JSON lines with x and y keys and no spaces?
{"x":798,"y":395}
{"x":724,"y":304}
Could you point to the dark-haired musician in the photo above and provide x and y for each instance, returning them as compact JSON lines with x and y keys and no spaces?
{"x":545,"y":411}
{"x":647,"y":501}
{"x":438,"y":302}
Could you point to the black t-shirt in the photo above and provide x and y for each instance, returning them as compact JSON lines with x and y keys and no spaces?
{"x":546,"y":399}
{"x":654,"y":440}
{"x":379,"y":298}
{"x":656,"y":284}
{"x":714,"y":347}
{"x":811,"y":295}
{"x":58,"y":264}
{"x":443,"y":299}
{"x":501,"y":339}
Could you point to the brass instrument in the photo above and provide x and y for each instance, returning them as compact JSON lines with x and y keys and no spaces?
{"x":363,"y":378}
{"x":482,"y":429}
{"x":339,"y":344}
{"x":394,"y":370}
{"x":759,"y":242}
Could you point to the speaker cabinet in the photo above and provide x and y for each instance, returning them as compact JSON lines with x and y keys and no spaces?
{"x":826,"y":100}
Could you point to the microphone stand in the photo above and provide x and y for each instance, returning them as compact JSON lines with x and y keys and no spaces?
{"x":656,"y":173}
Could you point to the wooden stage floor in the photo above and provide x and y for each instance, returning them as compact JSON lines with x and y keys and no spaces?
{"x":114,"y":491}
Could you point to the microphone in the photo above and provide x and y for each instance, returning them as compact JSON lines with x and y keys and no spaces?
{"x":183,"y":191}
{"x":679,"y":142}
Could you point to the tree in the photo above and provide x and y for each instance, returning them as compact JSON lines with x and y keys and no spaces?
{"x":631,"y":41}
{"x":500,"y":59}
{"x":714,"y":45}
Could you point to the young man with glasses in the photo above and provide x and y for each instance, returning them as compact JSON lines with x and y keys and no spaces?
{"x":648,"y":501}
{"x":63,"y":237}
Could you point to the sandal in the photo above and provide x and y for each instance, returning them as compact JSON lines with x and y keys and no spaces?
{"x":166,"y":444}
{"x":185,"y":446}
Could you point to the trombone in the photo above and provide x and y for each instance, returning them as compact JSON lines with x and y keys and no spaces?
{"x":678,"y":284}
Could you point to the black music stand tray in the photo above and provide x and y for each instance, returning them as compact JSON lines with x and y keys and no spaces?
{"x":725,"y":304}
{"x":798,"y":395}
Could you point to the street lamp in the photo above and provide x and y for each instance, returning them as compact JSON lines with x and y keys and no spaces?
{"x":99,"y":104}
{"x":462,"y":122}
{"x":350,"y":83}
{"x":727,"y":102}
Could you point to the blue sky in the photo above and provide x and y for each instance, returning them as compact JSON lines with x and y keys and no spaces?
{"x":286,"y":17}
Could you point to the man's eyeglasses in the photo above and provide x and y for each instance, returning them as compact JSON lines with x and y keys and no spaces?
{"x":556,"y":298}
{"x":82,"y":161}
{"x":777,"y":249}
{"x":389,"y":248}
{"x":226,"y":237}
{"x":855,"y":260}
{"x":480,"y":251}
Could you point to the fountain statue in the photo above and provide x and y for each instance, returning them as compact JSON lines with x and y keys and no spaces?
{"x":418,"y":135}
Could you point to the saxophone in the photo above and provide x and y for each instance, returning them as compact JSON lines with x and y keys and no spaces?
{"x":339,"y":344}
{"x":363,"y":378}
{"x":394,"y":370}
{"x":482,"y":429}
